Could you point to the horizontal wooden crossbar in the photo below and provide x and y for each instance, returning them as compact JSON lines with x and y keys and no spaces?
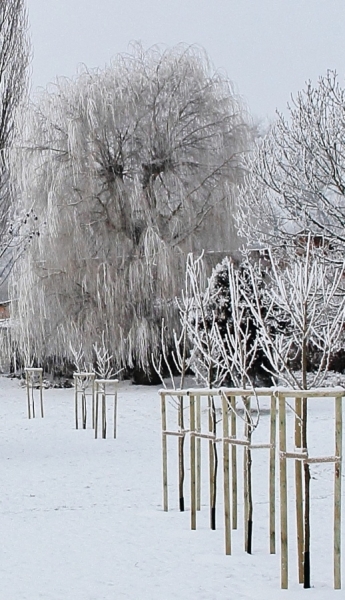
{"x":176,"y":433}
{"x":203,"y":392}
{"x":310,"y":459}
{"x":246,"y":392}
{"x":323,"y":459}
{"x":295,"y":455}
{"x":207,"y":436}
{"x":236,"y":442}
{"x":313,"y":393}
{"x":165,"y":392}
{"x":81,"y":374}
{"x":258,"y":446}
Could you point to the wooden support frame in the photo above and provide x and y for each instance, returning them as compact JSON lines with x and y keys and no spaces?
{"x":231,"y":394}
{"x":180,"y":395}
{"x":283,"y":495}
{"x":196,"y":435}
{"x":32,"y":373}
{"x":192,"y":463}
{"x":102,"y":392}
{"x":337,"y":490}
{"x":300,"y":456}
{"x":82,"y":381}
{"x":226,"y":476}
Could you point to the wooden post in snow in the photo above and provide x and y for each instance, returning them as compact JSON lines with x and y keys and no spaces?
{"x":192,"y":463}
{"x":337,"y":492}
{"x":101,"y":387}
{"x":164,"y":451}
{"x":30,"y":374}
{"x":283,"y":493}
{"x":299,"y":489}
{"x":198,"y":454}
{"x":234,"y":463}
{"x":272,"y":480}
{"x":226,"y":474}
{"x":82,"y":380}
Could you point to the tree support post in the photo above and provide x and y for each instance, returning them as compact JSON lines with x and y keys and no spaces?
{"x":337,"y":492}
{"x":283,"y":493}
{"x":192,"y":462}
{"x":31,"y":375}
{"x":226,"y":476}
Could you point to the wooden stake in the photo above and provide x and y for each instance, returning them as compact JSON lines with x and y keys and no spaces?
{"x":30,"y":373}
{"x":226,"y":476}
{"x":272,"y":481}
{"x":299,"y":489}
{"x":28,"y":394}
{"x":104,"y":414}
{"x":115,"y":411}
{"x":198,"y":454}
{"x":96,"y":412}
{"x":337,"y":493}
{"x":180,"y":446}
{"x":164,"y":452}
{"x":83,"y":409}
{"x":41,"y":393}
{"x":32,"y":399}
{"x":283,"y":493}
{"x":234,"y":463}
{"x":76,"y":402}
{"x":93,"y":402}
{"x":192,"y":463}
{"x":247,"y":478}
{"x":211,"y":460}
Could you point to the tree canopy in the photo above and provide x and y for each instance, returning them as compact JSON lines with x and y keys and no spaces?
{"x":129,"y":168}
{"x":14,"y":59}
{"x":296,"y":175}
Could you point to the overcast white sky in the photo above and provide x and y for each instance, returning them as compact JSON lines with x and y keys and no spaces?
{"x":268,"y":48}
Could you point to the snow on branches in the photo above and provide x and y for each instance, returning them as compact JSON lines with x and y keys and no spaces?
{"x":130,"y":169}
{"x":296,"y":176}
{"x":281,"y":323}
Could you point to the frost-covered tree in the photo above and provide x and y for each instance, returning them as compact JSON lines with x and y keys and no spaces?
{"x":14,"y":58}
{"x":296,"y":175}
{"x":307,"y":294}
{"x":303,"y":314}
{"x":130,"y":168}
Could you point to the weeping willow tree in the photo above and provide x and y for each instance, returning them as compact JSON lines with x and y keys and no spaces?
{"x":14,"y":58}
{"x":129,"y":169}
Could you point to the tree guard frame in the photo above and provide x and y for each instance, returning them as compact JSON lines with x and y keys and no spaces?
{"x":229,"y":396}
{"x":277,"y":448}
{"x":30,"y":373}
{"x":101,"y":391}
{"x":165,"y":433}
{"x":301,"y":456}
{"x":82,"y":381}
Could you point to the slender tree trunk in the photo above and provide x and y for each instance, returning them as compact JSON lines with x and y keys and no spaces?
{"x":215,"y":467}
{"x":306,"y":468}
{"x":248,"y":478}
{"x":181,"y":455}
{"x":306,"y":552}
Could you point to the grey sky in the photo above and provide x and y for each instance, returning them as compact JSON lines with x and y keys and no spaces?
{"x":268,"y":48}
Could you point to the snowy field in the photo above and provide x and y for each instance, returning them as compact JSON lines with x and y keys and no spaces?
{"x":82,"y":519}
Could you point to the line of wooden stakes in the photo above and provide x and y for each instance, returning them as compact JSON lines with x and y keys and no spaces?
{"x":194,"y":400}
{"x":86,"y":387}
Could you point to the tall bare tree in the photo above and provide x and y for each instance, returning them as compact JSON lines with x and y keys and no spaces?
{"x":130,"y":167}
{"x":296,"y":175}
{"x":14,"y":60}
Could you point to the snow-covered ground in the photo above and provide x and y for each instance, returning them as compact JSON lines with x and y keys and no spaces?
{"x":82,"y":519}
